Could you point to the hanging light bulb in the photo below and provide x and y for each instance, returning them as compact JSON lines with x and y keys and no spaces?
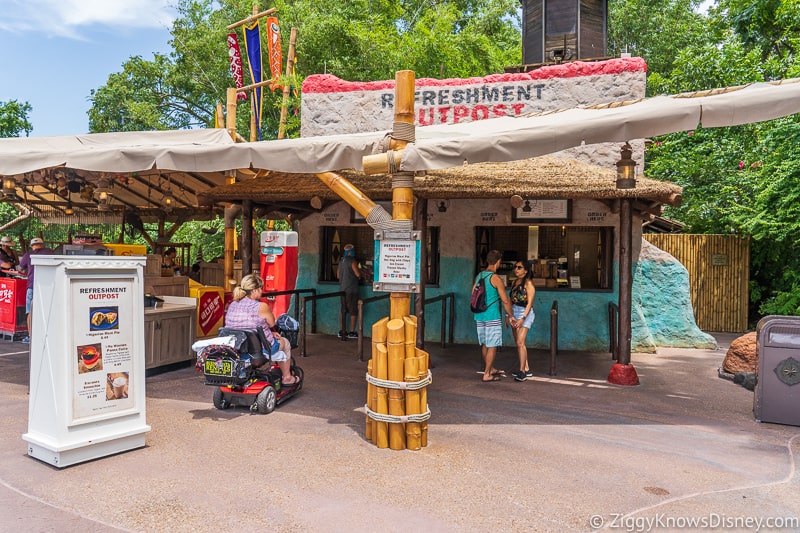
{"x":9,"y":186}
{"x":69,"y":210}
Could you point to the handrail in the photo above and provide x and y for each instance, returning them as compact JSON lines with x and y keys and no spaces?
{"x":268,"y":294}
{"x":451,"y":323}
{"x":553,"y":337}
{"x":303,"y":301}
{"x":360,"y":345}
{"x":613,"y":314}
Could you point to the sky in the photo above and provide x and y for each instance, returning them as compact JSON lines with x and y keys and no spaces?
{"x":54,"y":52}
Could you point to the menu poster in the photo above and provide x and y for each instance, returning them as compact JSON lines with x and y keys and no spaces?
{"x":102,"y":346}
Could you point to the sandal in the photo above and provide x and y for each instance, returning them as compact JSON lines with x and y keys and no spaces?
{"x":295,"y":381}
{"x":493,"y":378}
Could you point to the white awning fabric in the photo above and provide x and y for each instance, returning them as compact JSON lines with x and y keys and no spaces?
{"x":494,"y":140}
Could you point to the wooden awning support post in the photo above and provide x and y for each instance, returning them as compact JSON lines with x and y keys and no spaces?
{"x":230,"y":211}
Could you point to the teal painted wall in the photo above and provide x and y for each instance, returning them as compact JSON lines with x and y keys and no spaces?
{"x":583,"y":316}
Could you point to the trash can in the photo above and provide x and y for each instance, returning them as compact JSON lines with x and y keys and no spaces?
{"x":777,"y":394}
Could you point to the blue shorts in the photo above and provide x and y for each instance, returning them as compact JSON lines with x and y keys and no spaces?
{"x":519,"y":311}
{"x":490,"y":333}
{"x":28,"y":300}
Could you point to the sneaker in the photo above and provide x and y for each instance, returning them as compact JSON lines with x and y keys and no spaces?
{"x":352,"y":335}
{"x":340,"y":334}
{"x":25,"y":340}
{"x":528,"y":374}
{"x":519,"y":376}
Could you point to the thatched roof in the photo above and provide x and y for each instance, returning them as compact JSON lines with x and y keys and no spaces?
{"x":539,"y":177}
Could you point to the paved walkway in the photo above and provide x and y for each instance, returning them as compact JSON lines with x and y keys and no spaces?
{"x":563,"y":453}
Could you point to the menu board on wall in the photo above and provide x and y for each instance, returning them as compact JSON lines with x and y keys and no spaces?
{"x":102,"y":346}
{"x":539,"y":210}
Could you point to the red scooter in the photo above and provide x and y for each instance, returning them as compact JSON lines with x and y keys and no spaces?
{"x":244,"y":374}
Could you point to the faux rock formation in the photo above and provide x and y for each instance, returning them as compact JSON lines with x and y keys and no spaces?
{"x":742,"y":356}
{"x":662,"y":306}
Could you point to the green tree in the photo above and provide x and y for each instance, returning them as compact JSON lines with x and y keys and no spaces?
{"x":14,"y":119}
{"x":357,"y":40}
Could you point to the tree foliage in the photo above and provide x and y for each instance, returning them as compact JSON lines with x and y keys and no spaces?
{"x":14,"y":119}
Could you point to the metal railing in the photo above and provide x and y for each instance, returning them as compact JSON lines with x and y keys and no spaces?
{"x":553,"y":337}
{"x":445,"y":324}
{"x":613,"y":317}
{"x":269,"y":294}
{"x":360,"y":345}
{"x":303,"y":301}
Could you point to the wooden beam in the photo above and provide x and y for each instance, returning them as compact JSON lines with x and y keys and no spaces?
{"x":251,"y":18}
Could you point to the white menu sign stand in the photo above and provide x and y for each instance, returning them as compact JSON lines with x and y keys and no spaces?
{"x":87,"y":385}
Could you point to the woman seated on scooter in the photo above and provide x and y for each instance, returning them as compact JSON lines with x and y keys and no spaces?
{"x":247,"y":311}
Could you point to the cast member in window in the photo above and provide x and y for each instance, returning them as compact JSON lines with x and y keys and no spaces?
{"x":170,"y":262}
{"x":349,"y":276}
{"x":522,"y":293}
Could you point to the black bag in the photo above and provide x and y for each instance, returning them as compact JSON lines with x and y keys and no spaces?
{"x":477,"y":302}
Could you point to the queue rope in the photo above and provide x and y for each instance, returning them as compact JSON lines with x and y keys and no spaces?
{"x":401,"y":385}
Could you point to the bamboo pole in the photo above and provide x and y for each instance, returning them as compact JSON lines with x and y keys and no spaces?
{"x":286,"y":88}
{"x":413,"y":429}
{"x":251,"y":18}
{"x":230,"y":230}
{"x":396,"y":352}
{"x":379,"y":340}
{"x":384,"y":399}
{"x":370,"y":404}
{"x":422,"y":367}
{"x":348,"y":192}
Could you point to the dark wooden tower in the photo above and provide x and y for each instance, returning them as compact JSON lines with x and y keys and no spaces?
{"x":554,"y":31}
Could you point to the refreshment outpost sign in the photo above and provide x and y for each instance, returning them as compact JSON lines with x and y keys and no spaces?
{"x":334,"y":106}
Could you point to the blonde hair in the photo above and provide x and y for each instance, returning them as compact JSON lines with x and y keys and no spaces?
{"x":249,"y":283}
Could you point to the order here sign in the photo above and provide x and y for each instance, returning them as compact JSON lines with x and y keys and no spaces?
{"x":397,"y":262}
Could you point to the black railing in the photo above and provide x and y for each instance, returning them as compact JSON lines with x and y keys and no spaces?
{"x":553,"y":337}
{"x":313,"y":299}
{"x":360,"y":345}
{"x":450,"y":322}
{"x":269,"y":294}
{"x":613,"y":317}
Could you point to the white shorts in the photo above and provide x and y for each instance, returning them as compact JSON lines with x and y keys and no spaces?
{"x":519,"y":311}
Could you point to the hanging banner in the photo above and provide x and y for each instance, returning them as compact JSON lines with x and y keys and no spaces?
{"x":252,"y":42}
{"x":274,"y":50}
{"x":235,"y":56}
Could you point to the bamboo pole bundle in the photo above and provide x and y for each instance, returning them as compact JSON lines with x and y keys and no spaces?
{"x":395,"y":344}
{"x":410,"y":335}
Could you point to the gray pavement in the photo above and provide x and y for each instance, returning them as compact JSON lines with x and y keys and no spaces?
{"x":562,"y":453}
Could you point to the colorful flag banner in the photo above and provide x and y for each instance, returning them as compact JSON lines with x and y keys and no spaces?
{"x":252,"y":42}
{"x":235,"y":56}
{"x":274,"y":50}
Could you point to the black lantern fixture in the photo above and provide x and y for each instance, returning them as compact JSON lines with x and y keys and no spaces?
{"x":69,"y":210}
{"x":442,"y":207}
{"x":527,"y":207}
{"x":626,"y":169}
{"x":9,"y":186}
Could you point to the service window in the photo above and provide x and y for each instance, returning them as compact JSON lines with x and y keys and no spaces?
{"x":575,"y":257}
{"x":363,"y":240}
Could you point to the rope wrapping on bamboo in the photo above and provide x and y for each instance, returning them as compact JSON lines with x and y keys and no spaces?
{"x":403,"y":131}
{"x":392,"y":162}
{"x":396,"y":419}
{"x":379,"y":218}
{"x":401,"y":385}
{"x":403,"y":179}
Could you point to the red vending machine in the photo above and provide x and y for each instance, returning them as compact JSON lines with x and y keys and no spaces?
{"x":279,"y":267}
{"x":13,"y":320}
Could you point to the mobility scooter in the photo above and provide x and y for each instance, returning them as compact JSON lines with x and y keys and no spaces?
{"x":244,"y":373}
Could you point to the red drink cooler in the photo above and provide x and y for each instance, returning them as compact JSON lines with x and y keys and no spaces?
{"x":279,"y":267}
{"x":12,"y":306}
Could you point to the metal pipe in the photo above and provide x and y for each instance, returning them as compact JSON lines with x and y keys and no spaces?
{"x":553,"y":337}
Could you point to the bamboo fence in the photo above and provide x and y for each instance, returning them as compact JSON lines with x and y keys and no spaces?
{"x":719,"y":273}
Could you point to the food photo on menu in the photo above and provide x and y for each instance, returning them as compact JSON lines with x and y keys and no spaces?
{"x":117,"y":385}
{"x":103,"y":318}
{"x":90,"y":358}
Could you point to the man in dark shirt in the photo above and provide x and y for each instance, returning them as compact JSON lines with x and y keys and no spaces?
{"x":37,"y":248}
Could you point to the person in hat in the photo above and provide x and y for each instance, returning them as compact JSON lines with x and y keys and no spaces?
{"x":8,"y":257}
{"x":25,"y":266}
{"x":349,"y":277}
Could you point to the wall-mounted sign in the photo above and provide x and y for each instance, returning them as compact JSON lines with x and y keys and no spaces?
{"x":396,"y":261}
{"x":719,"y":259}
{"x":541,"y":210}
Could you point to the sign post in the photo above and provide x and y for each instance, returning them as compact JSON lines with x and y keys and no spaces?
{"x":87,"y":383}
